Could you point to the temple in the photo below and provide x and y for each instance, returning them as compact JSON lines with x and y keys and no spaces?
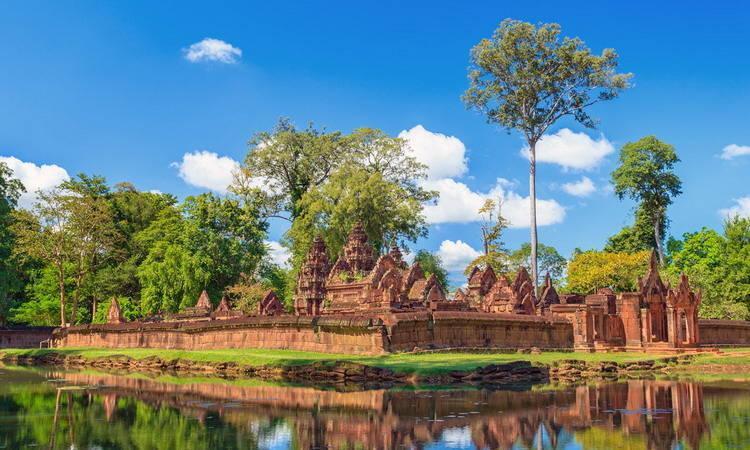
{"x":358,"y":283}
{"x":373,"y":304}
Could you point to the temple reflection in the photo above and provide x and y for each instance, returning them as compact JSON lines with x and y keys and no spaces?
{"x":657,"y":414}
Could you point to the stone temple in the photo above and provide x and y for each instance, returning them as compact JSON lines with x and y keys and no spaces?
{"x":369,"y":304}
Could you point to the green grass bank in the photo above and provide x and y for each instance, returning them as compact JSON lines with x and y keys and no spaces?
{"x":422,"y":364}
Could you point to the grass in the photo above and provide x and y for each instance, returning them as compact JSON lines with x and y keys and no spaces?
{"x":410,"y":363}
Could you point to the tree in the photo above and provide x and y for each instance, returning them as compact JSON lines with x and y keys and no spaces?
{"x":282,"y":165}
{"x":718,"y":265}
{"x":550,"y":261}
{"x":591,"y":270}
{"x":646,"y":175}
{"x":389,"y":212}
{"x":208,"y":244}
{"x":634,"y":238}
{"x":431,"y":264}
{"x":492,"y":227}
{"x":10,"y":190}
{"x":376,"y":184}
{"x":526,"y":78}
{"x":45,"y":234}
{"x":95,"y":236}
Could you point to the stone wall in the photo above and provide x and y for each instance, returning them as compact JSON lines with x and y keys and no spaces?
{"x":724,"y":332}
{"x":24,"y":337}
{"x":454,"y":329}
{"x":316,"y":334}
{"x":333,"y":334}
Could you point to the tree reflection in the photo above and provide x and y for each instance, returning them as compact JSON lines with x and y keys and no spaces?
{"x":103,"y":410}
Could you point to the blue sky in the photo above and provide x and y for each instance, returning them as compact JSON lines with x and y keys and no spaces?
{"x":106,"y":87}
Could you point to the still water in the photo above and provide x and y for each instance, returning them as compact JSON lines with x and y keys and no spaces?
{"x":44,"y":408}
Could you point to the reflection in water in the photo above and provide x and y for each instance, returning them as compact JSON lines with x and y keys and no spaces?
{"x":89,"y":409}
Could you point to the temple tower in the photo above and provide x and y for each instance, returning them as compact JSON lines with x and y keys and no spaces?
{"x":311,"y":284}
{"x":358,"y":251}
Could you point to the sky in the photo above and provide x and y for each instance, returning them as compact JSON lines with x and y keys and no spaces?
{"x":165,"y":95}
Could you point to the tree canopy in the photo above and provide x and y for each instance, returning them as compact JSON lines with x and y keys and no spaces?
{"x":526,"y":78}
{"x":646,"y":175}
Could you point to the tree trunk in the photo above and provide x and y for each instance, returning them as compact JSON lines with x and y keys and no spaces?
{"x":61,"y":284}
{"x":657,"y":237}
{"x":532,"y":211}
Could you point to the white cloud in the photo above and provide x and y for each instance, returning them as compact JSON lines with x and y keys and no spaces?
{"x":732,"y":151}
{"x":459,"y":204}
{"x":582,"y":188}
{"x":210,"y":49}
{"x":456,"y":255}
{"x":741,"y":208}
{"x":571,"y":150}
{"x":278,"y":253}
{"x":34,"y":178}
{"x":207,"y":170}
{"x":445,"y":156}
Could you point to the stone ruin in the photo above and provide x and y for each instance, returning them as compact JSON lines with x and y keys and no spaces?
{"x":358,"y":283}
{"x":654,"y":317}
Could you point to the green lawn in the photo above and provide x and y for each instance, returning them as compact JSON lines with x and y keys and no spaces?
{"x":420,"y":363}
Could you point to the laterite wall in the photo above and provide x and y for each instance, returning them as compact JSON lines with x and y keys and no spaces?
{"x":24,"y":337}
{"x":316,"y":334}
{"x":724,"y":332}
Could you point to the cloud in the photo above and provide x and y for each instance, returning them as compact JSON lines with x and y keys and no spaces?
{"x":445,"y":156}
{"x":210,"y":49}
{"x":456,"y":255}
{"x":571,"y":150}
{"x":459,"y":204}
{"x":732,"y":151}
{"x":741,"y":209}
{"x":278,"y":253}
{"x":208,"y":170}
{"x":34,"y":178}
{"x":582,"y":188}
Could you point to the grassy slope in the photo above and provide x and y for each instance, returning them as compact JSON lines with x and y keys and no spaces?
{"x":422,"y":364}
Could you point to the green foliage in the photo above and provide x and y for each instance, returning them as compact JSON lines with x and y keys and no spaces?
{"x":432,"y":264}
{"x":290,"y":162}
{"x":591,"y":270}
{"x":646,"y":175}
{"x":637,"y":237}
{"x":206,"y":246}
{"x":498,"y":261}
{"x":526,"y":78}
{"x":719,"y":265}
{"x":388,"y":211}
{"x":10,"y":190}
{"x":42,"y":307}
{"x":129,"y":308}
{"x":550,"y":261}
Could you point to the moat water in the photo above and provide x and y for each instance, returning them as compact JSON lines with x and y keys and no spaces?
{"x":56,"y":409}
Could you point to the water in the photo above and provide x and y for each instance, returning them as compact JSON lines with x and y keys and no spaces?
{"x":42,"y":408}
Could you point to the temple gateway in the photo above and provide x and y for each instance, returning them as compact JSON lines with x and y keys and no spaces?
{"x":369,"y":304}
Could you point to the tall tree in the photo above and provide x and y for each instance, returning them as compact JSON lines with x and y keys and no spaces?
{"x":636,"y":237}
{"x":376,"y":184}
{"x":526,"y":78}
{"x":44,"y":233}
{"x":646,"y":175}
{"x":282,"y":165}
{"x":492,"y":227}
{"x":10,"y":190}
{"x":591,"y":270}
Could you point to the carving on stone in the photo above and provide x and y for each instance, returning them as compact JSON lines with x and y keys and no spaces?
{"x":358,"y":251}
{"x":204,"y":302}
{"x":549,"y":296}
{"x":114,"y":315}
{"x":270,"y":305}
{"x":311,"y":283}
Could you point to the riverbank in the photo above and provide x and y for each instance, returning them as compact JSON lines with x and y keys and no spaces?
{"x":403,"y":368}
